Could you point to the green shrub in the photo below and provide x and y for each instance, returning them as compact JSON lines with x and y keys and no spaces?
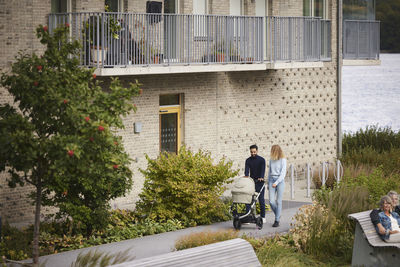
{"x":16,"y":244}
{"x":60,"y":236}
{"x":377,"y":138}
{"x":186,"y":187}
{"x":204,"y":238}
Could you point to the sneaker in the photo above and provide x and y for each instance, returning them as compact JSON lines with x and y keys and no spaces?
{"x":264,"y":220}
{"x":276,"y":224}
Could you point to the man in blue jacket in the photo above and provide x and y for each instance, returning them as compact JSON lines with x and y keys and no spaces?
{"x":255,"y":167}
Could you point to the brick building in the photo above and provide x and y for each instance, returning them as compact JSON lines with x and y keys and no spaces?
{"x":277,"y":81}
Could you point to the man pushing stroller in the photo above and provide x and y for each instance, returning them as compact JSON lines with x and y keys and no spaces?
{"x":247,"y":190}
{"x":255,"y":166}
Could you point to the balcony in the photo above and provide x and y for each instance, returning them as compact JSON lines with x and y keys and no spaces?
{"x":361,"y":42}
{"x":131,"y":44}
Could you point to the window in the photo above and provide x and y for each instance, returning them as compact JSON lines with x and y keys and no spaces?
{"x":170,"y":123}
{"x":359,"y":9}
{"x":60,"y":6}
{"x":315,"y":8}
{"x":114,"y":5}
{"x":200,"y":21}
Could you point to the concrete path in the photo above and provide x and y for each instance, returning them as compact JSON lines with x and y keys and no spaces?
{"x":163,"y":243}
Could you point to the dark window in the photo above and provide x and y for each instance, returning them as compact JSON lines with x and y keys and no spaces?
{"x":59,"y":6}
{"x":113,"y":5}
{"x":167,"y":100}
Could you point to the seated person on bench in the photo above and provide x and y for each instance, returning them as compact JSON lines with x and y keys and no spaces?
{"x":389,"y":220}
{"x":375,"y":212}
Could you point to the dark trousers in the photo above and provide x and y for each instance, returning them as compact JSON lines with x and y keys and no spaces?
{"x":261,"y":199}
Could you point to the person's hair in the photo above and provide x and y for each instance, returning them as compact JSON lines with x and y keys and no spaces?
{"x":253,"y":146}
{"x":276,"y":152}
{"x":386,"y":199}
{"x":392,"y":193}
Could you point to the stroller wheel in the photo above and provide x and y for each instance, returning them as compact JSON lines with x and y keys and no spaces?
{"x":259,"y":223}
{"x":236,"y":223}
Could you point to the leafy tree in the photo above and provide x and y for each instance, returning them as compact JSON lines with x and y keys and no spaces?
{"x":60,"y":134}
{"x":186,"y":187}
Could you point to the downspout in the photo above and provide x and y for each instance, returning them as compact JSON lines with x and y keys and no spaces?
{"x":339,"y":59}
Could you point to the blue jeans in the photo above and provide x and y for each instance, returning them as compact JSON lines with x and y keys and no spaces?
{"x":275,"y":198}
{"x":261,"y":199}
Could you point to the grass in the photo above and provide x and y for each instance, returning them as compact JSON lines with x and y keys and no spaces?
{"x":204,"y":238}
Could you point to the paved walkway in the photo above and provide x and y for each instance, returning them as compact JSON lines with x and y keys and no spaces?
{"x":163,"y":243}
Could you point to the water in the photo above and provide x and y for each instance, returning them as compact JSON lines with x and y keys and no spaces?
{"x":371,"y":94}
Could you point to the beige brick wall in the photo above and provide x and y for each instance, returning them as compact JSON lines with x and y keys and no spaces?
{"x":224,"y":112}
{"x":18,"y":21}
{"x":89,"y":6}
{"x":287,"y":8}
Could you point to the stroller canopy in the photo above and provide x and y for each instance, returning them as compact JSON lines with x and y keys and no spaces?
{"x":243,"y":190}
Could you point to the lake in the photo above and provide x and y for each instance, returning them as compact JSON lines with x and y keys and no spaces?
{"x":371,"y":94}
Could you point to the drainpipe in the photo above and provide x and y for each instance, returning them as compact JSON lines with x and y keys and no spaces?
{"x":339,"y":59}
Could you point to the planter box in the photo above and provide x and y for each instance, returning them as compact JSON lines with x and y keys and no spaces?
{"x":98,"y":55}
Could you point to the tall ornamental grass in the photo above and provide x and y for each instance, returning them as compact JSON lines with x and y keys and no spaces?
{"x":323,"y":229}
{"x":205,"y":238}
{"x":378,"y":138}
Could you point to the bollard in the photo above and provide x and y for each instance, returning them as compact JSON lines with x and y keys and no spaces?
{"x":323,"y":174}
{"x":292,"y":181}
{"x":338,"y":171}
{"x":308,"y":179}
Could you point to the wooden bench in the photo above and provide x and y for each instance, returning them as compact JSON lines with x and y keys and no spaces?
{"x":235,"y":252}
{"x":369,"y":249}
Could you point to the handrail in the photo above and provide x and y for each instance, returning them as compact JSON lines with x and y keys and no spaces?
{"x":361,"y":39}
{"x":112,"y":39}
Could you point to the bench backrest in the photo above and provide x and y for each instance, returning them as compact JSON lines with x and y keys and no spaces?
{"x":369,"y":230}
{"x":235,"y":252}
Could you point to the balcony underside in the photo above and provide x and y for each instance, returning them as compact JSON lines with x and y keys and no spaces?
{"x":161,"y":69}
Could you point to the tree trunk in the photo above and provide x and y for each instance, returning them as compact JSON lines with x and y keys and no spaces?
{"x":36,"y":231}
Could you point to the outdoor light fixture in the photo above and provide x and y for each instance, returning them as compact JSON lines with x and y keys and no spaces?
{"x":137,"y":127}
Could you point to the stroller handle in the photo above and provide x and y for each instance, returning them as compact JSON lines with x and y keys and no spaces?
{"x":262,"y":188}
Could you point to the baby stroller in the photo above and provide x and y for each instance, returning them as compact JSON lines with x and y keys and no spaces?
{"x":243,"y":192}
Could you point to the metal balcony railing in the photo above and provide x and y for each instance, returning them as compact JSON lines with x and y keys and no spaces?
{"x":361,"y":39}
{"x":127,"y":39}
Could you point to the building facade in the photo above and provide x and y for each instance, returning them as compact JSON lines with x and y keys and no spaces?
{"x":216,"y":75}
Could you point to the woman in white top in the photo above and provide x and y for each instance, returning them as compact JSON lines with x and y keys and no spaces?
{"x":276,"y":181}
